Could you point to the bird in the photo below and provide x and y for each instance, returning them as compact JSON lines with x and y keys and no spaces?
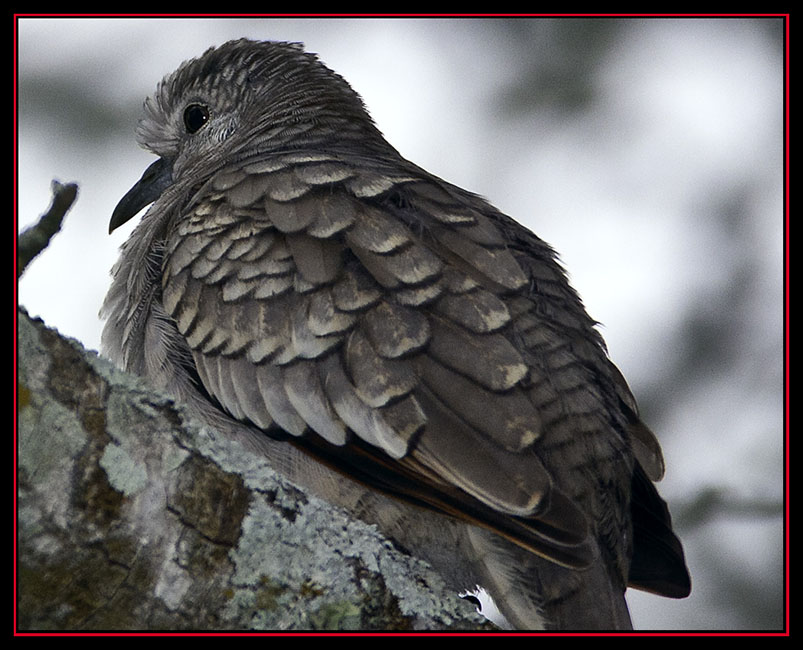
{"x":386,"y":339}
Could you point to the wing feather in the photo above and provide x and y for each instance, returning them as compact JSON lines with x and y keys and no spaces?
{"x":389,"y":324}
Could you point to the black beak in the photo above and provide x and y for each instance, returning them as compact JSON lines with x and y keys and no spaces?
{"x":153,"y":182}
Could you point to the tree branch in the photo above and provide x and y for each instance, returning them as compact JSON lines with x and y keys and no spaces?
{"x":132,"y":516}
{"x":34,"y":240}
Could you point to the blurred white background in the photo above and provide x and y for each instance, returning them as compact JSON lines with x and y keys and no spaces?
{"x":649,"y":153}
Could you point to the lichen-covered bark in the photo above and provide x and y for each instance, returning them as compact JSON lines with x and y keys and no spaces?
{"x":131,"y":516}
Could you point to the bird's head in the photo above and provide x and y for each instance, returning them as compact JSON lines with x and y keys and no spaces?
{"x":242,"y":99}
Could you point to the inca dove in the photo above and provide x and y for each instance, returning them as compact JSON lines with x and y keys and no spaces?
{"x":312,"y":293}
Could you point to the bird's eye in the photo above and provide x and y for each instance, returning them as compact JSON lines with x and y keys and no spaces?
{"x":195,"y":116}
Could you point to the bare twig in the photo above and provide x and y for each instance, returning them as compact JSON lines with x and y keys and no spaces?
{"x":35,"y":239}
{"x":718,"y":501}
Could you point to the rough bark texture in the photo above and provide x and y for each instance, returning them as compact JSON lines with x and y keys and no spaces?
{"x":131,"y":516}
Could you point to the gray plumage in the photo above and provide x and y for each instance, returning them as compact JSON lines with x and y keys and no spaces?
{"x":311,"y":293}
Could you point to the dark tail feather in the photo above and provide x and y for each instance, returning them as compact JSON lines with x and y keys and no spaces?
{"x":658,"y":564}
